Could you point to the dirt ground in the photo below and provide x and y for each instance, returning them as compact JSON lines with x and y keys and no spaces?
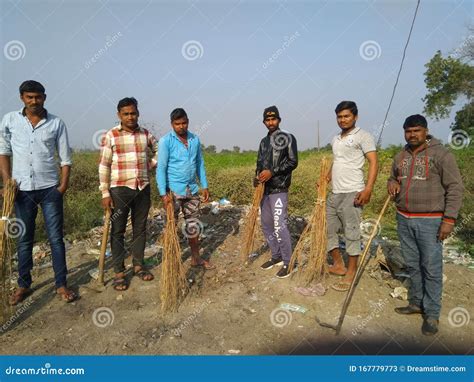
{"x":231,"y":310}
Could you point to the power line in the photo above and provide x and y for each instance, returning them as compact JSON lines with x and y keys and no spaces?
{"x":379,"y":140}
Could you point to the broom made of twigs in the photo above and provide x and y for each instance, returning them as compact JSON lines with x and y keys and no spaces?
{"x":6,"y":247}
{"x":173,"y":276}
{"x":314,"y":234}
{"x":251,"y":223}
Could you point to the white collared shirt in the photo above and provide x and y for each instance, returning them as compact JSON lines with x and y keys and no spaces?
{"x":349,"y":158}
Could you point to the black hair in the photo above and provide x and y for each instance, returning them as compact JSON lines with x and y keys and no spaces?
{"x":127,"y":101}
{"x":415,"y":120}
{"x":31,"y":86}
{"x":347,"y":105}
{"x":178,"y":114}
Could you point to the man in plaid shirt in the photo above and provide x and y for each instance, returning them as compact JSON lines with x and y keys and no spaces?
{"x":127,"y":156}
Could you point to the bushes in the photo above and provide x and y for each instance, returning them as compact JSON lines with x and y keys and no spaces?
{"x":230,"y":175}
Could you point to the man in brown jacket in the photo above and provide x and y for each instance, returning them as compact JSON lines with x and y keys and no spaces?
{"x":427,"y":187}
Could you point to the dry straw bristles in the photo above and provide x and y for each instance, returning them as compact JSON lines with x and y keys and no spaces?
{"x":251,"y":223}
{"x":6,"y":248}
{"x":314,"y":236}
{"x":173,"y":285}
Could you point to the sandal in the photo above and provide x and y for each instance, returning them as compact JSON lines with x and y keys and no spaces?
{"x":67,"y":295}
{"x":120,"y":284}
{"x":19,"y":295}
{"x":205,"y":264}
{"x":341,"y":286}
{"x":144,"y":275}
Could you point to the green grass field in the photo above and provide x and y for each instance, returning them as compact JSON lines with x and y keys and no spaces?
{"x":230,"y":175}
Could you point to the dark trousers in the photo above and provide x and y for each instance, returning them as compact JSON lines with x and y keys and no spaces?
{"x":26,"y":209}
{"x":274,"y":218}
{"x":138,"y":203}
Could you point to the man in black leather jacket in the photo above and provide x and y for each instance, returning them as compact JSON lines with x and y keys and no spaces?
{"x":277,"y":158}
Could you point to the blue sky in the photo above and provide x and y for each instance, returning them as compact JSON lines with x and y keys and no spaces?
{"x":225,"y":61}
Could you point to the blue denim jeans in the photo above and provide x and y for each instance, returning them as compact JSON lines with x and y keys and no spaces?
{"x":423,"y":255}
{"x":26,"y":209}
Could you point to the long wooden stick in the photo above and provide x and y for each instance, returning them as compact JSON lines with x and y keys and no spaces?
{"x":364,"y":260}
{"x":103,"y":246}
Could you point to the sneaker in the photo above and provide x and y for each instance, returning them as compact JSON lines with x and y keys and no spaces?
{"x":283,"y":273}
{"x":430,"y":326}
{"x":270,"y":263}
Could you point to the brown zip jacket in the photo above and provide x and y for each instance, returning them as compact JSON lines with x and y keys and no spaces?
{"x":430,"y":181}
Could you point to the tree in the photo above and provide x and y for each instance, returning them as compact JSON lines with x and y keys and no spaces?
{"x":236,"y":149}
{"x":450,"y":79}
{"x":211,"y":149}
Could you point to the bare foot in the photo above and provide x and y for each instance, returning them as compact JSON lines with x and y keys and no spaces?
{"x":337,"y":269}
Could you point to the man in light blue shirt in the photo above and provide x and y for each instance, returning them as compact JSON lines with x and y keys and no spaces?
{"x":31,"y":138}
{"x":180,"y":166}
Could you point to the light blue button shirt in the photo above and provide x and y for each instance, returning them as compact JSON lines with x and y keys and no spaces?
{"x":33,"y":149}
{"x":179,"y":167}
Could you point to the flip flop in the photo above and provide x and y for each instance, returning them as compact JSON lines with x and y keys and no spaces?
{"x":120,"y":284}
{"x":205,"y":264}
{"x":67,"y":295}
{"x":143,"y":273}
{"x":19,"y":295}
{"x":341,"y":286}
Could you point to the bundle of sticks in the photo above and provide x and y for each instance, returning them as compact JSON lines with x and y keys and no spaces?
{"x":251,"y":223}
{"x":6,"y":248}
{"x":314,"y":236}
{"x":173,"y":284}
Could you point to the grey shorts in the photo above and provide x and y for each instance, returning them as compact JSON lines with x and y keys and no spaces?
{"x":343,"y":217}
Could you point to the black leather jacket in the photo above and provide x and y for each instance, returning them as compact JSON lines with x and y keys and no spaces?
{"x":278,"y":153}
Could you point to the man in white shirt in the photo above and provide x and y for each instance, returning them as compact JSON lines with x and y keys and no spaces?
{"x":349,"y":192}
